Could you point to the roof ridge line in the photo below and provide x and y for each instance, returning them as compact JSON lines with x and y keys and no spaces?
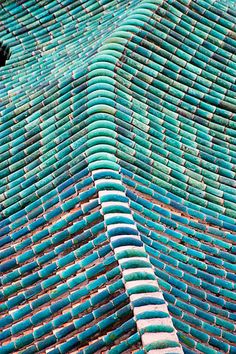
{"x":151,"y":314}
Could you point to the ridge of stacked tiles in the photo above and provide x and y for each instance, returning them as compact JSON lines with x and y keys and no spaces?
{"x":150,"y":310}
{"x":117,"y":188}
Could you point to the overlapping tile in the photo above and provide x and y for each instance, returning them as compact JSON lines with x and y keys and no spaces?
{"x":117,"y":186}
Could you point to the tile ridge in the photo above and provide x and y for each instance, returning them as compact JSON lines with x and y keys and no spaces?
{"x":151,"y":314}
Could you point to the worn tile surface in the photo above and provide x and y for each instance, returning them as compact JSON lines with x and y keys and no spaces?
{"x":117,"y":185}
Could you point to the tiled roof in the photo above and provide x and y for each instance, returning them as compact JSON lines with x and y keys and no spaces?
{"x":117,"y":188}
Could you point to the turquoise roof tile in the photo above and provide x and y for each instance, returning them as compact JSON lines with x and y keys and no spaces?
{"x":117,"y":187}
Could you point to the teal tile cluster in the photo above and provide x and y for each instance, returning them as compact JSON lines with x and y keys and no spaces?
{"x":117,"y":176}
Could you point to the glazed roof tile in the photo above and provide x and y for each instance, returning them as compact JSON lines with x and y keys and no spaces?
{"x":117,"y":188}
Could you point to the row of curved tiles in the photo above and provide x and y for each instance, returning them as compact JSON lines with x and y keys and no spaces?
{"x":117,"y":187}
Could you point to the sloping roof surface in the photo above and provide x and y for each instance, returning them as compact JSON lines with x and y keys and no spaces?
{"x":117,"y":187}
